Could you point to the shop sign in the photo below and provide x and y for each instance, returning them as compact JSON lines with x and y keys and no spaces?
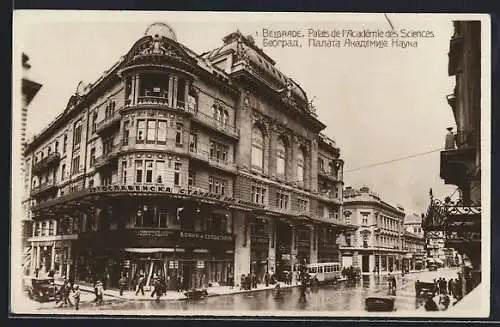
{"x":200,"y":264}
{"x":154,"y":233}
{"x":168,"y":190}
{"x":260,"y":239}
{"x":173,"y":264}
{"x":204,"y":236}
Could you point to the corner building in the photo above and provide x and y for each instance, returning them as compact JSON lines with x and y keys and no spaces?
{"x":178,"y":164}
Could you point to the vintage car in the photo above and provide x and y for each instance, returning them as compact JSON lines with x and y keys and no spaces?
{"x":40,"y":289}
{"x":196,"y":294}
{"x":425,"y":289}
{"x":432,"y":267}
{"x":380,"y":303}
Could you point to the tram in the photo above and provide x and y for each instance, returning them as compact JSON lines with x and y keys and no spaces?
{"x":325,"y":272}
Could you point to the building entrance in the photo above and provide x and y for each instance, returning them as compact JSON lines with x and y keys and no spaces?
{"x":365,"y":263}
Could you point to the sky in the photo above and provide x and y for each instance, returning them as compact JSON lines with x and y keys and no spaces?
{"x":378,"y":104}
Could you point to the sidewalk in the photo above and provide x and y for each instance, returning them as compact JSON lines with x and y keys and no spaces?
{"x":178,"y":296}
{"x":385,"y":273}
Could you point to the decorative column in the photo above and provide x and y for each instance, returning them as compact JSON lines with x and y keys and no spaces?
{"x":174,"y":94}
{"x":186,"y":95}
{"x":53,"y":256}
{"x":171,"y":91}
{"x":68,"y":262}
{"x":37,"y":265}
{"x":241,"y":246}
{"x":33,"y":258}
{"x":313,"y":257}
{"x":271,"y":256}
{"x":294,"y":249}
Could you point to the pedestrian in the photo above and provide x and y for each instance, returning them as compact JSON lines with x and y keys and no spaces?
{"x":451,"y":291}
{"x":140,"y":284}
{"x":122,"y":283}
{"x":95,"y":291}
{"x":266,"y":278}
{"x":100,"y":292}
{"x":157,"y":289}
{"x":179,"y":283}
{"x":65,"y":293}
{"x":242,"y":282}
{"x":430,"y":305}
{"x":254,"y":281}
{"x":76,"y":297}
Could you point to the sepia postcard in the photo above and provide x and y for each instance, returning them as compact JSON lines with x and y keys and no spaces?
{"x":250,"y":164}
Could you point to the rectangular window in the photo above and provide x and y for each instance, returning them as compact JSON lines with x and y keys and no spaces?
{"x":151,"y":131}
{"x":92,"y":157}
{"x":77,"y":134}
{"x":258,"y":194}
{"x":223,"y":187}
{"x":63,"y":172}
{"x":65,"y":143}
{"x":181,"y":93}
{"x":191,"y":177}
{"x":303,"y":205}
{"x":212,"y":149}
{"x":281,"y":200}
{"x":210,"y":184}
{"x":216,"y":190}
{"x":124,"y":172}
{"x":160,"y":170}
{"x":177,"y":173}
{"x":162,"y":131}
{"x":193,"y":142}
{"x":178,"y":134}
{"x":126,"y":132}
{"x":141,"y":131}
{"x":76,"y":165}
{"x":94,"y":121}
{"x":138,"y":171}
{"x":149,"y":171}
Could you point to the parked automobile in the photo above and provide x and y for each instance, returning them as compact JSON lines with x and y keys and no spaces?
{"x":380,"y":303}
{"x":40,"y":289}
{"x":423,"y":289}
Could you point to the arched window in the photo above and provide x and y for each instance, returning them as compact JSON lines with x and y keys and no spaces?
{"x":300,"y":166}
{"x":280,"y":157}
{"x":257,"y":148}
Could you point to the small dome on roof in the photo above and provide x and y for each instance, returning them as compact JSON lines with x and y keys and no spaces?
{"x":160,"y":29}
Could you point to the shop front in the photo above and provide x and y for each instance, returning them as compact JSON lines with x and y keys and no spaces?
{"x":185,"y":258}
{"x":259,"y":255}
{"x":284,"y":257}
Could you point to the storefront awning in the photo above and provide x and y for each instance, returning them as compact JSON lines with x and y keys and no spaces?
{"x":152,"y":250}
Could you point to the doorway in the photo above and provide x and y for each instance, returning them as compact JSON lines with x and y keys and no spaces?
{"x":365,"y":263}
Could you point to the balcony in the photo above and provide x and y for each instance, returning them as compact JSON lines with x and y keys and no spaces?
{"x":329,"y":197}
{"x":47,"y":162}
{"x":153,"y":101}
{"x":328,"y":175}
{"x":458,"y":157}
{"x":106,"y":159}
{"x":217,"y":125}
{"x":49,"y":185}
{"x":109,"y":122}
{"x":204,"y":156}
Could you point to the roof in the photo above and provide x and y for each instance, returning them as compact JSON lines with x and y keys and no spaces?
{"x":412,"y":219}
{"x":364,"y":195}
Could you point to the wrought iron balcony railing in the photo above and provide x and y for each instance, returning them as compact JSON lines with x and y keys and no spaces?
{"x":106,"y":159}
{"x":111,"y":121}
{"x":45,"y":186}
{"x":51,"y":159}
{"x":211,"y":122}
{"x":214,"y":162}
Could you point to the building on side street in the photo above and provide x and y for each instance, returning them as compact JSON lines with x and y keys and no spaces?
{"x":29,"y":90}
{"x":377,"y":243}
{"x":176,"y":164}
{"x":460,"y":165}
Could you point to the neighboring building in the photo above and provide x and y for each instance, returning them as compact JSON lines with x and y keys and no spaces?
{"x":414,"y":242}
{"x":434,"y":244}
{"x":461,"y":159}
{"x":173,"y":163}
{"x":29,"y":89}
{"x":376,"y":244}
